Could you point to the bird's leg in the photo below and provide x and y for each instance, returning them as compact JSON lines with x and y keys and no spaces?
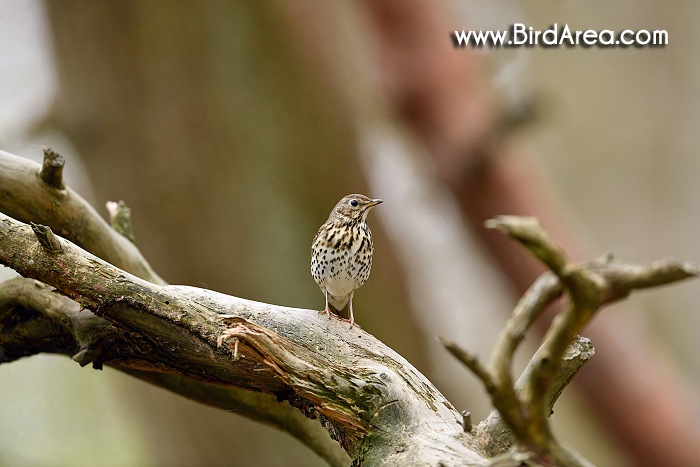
{"x":352,"y":316}
{"x":326,"y":310}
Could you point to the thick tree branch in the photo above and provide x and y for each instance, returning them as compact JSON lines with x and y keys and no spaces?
{"x":25,"y":193}
{"x":360,"y":389}
{"x":35,"y":319}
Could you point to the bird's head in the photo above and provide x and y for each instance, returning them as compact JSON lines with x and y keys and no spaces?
{"x":353,"y":208}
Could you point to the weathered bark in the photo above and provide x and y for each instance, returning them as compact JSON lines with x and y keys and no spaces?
{"x":25,"y":194}
{"x":220,"y":349}
{"x":36,"y":319}
{"x":173,"y":335}
{"x":359,"y":388}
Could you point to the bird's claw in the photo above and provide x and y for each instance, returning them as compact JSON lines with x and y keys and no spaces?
{"x":327,"y":311}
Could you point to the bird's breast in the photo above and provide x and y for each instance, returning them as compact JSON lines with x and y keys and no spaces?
{"x":342,"y":257}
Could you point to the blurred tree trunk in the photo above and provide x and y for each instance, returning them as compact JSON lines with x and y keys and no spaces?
{"x":231,"y":150}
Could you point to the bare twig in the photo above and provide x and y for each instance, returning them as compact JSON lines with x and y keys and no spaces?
{"x":46,"y":238}
{"x":28,"y":198}
{"x":494,"y":434}
{"x":577,"y":354}
{"x":528,"y":232}
{"x":525,"y":407}
{"x":467,"y":421}
{"x":471,"y":362}
{"x":52,"y":169}
{"x":120,"y":219}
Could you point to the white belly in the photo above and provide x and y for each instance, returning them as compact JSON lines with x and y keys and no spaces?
{"x":341,"y":284}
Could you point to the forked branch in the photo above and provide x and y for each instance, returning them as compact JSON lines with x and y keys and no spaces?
{"x":525,"y":407}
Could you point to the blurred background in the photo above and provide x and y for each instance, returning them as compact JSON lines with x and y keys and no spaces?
{"x":232,"y":128}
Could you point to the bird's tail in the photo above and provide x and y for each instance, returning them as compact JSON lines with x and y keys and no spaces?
{"x":339,"y":305}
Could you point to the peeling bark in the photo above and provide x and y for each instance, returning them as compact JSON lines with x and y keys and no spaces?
{"x":370,"y":398}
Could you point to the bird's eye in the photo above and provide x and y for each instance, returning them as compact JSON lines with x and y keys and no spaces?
{"x":353,"y":202}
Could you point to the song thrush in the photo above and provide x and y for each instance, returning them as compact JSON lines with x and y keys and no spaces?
{"x":341,"y":253}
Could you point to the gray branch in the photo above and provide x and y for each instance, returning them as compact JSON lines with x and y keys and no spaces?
{"x":216,"y":348}
{"x":30,"y":193}
{"x":100,"y":303}
{"x":523,"y":409}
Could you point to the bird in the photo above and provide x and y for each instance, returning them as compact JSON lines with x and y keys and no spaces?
{"x":341,"y":253}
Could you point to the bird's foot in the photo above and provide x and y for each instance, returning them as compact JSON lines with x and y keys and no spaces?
{"x":351,"y":321}
{"x":328,"y":312}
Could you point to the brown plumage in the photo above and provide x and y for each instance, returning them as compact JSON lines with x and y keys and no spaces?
{"x":341,"y":253}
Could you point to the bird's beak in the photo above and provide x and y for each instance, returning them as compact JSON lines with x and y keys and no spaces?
{"x":374,"y":202}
